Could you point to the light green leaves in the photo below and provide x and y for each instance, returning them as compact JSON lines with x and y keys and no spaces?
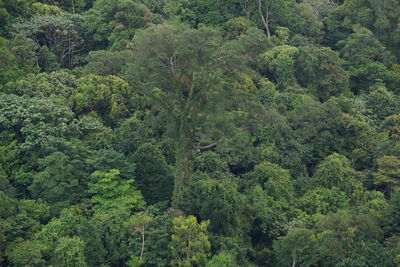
{"x":189,"y":245}
{"x":110,"y":192}
{"x":280,"y":61}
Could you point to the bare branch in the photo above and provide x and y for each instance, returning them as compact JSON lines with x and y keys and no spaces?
{"x":208,"y":146}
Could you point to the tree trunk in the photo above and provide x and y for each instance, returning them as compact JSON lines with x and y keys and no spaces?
{"x":265,"y":18}
{"x":141,"y":252}
{"x":294,"y":260}
{"x":183,"y":158}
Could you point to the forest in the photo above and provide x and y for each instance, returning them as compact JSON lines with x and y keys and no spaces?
{"x":214,"y":133}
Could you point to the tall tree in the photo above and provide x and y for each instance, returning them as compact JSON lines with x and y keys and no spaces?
{"x":182,"y":71}
{"x":138,"y":223}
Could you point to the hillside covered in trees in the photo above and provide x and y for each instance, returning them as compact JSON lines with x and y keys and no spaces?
{"x":214,"y":133}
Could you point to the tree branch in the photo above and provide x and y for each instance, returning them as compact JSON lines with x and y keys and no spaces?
{"x":208,"y":146}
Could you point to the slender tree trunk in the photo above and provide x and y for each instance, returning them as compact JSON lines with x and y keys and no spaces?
{"x":141,"y":252}
{"x":265,"y":18}
{"x":294,"y":260}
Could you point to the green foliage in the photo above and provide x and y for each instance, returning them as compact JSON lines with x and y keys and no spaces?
{"x":317,"y":129}
{"x":73,"y":225}
{"x":105,"y":160}
{"x":237,"y":26}
{"x":220,"y":202}
{"x":45,"y":9}
{"x":380,"y":17}
{"x":335,"y":171}
{"x":11,"y":11}
{"x":274,"y":180}
{"x":105,"y":63}
{"x":335,"y":240}
{"x":270,"y":216}
{"x":115,"y":22}
{"x":131,"y":134}
{"x":110,"y":192}
{"x":277,"y":141}
{"x":212,"y":163}
{"x":280,"y":62}
{"x":60,"y":181}
{"x":382,"y":103}
{"x":342,"y":232}
{"x":70,"y":6}
{"x":28,"y":253}
{"x":387,"y":176}
{"x":393,"y":213}
{"x":19,"y":57}
{"x":297,"y":247}
{"x":307,"y":22}
{"x":108,"y":96}
{"x":55,"y":85}
{"x":367,"y":60}
{"x":154,"y":176}
{"x":320,"y":70}
{"x":139,"y":223}
{"x":57,"y":36}
{"x":367,"y":253}
{"x":38,"y":124}
{"x":391,"y":126}
{"x":222,"y":259}
{"x":28,"y":219}
{"x":69,"y":252}
{"x":20,"y":220}
{"x":189,"y":244}
{"x":181,"y":71}
{"x":158,"y":239}
{"x":272,"y":13}
{"x":323,"y":200}
{"x":8,"y":205}
{"x":114,"y":235}
{"x":125,"y":122}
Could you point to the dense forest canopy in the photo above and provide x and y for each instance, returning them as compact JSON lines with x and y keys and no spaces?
{"x":200,"y":133}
